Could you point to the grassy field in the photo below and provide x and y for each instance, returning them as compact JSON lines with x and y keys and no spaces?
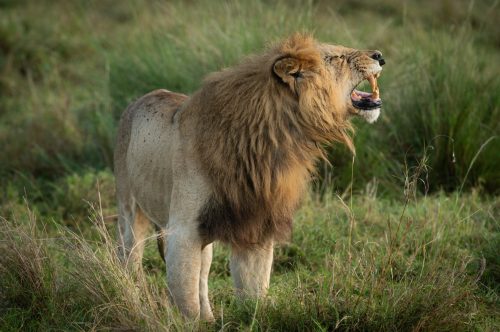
{"x":405,"y":236}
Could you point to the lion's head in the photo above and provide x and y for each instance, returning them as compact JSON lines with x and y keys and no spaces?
{"x":350,"y":67}
{"x":333,"y":71}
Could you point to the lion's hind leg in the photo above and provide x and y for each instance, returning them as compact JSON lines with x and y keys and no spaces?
{"x":133,"y":228}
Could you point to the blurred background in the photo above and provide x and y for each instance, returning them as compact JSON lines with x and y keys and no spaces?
{"x":414,"y":248}
{"x":69,"y":68}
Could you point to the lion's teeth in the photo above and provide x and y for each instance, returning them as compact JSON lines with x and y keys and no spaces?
{"x":355,"y":96}
{"x":373,"y":84}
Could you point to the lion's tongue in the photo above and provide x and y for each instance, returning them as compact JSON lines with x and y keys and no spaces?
{"x":358,"y":95}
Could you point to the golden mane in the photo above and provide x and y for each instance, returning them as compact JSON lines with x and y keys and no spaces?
{"x":258,"y":136}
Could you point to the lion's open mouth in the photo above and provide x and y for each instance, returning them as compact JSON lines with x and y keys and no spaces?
{"x":365,"y":100}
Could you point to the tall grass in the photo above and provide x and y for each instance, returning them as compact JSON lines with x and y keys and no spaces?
{"x":449,"y":108}
{"x":66,"y":282}
{"x":438,"y":87}
{"x":195,"y":40}
{"x":431,"y":265}
{"x":65,"y":81}
{"x":441,"y":103}
{"x":49,"y":94}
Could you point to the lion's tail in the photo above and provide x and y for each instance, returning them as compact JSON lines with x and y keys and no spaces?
{"x":160,"y":239}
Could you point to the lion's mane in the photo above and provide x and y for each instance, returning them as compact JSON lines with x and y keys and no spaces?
{"x":257,"y":139}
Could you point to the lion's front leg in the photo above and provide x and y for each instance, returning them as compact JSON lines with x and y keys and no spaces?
{"x":251,"y":269}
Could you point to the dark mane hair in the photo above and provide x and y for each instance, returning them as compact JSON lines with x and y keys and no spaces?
{"x":258,"y":133}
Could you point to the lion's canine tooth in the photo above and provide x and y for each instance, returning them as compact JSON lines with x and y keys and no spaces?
{"x":373,"y":84}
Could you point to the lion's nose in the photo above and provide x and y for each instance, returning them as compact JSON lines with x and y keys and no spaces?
{"x":378,"y":56}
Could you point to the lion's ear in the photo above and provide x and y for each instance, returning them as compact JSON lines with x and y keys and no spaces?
{"x":288,"y":69}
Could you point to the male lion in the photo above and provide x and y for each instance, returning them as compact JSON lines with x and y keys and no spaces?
{"x":232,"y":161}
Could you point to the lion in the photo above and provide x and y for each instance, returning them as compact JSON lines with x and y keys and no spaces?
{"x":231,"y":162}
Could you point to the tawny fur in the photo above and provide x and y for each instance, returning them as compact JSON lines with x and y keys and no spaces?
{"x":258,"y":139}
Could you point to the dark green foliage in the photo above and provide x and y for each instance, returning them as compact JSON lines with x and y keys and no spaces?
{"x":444,"y":109}
{"x":65,"y":82}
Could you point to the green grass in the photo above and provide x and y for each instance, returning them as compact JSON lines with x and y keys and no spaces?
{"x":405,"y":237}
{"x":436,"y":89}
{"x":65,"y":81}
{"x":430,"y":264}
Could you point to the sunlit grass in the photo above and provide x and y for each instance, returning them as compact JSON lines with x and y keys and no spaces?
{"x":429,"y":265}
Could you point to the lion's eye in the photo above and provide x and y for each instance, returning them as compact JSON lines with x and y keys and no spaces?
{"x":330,"y":58}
